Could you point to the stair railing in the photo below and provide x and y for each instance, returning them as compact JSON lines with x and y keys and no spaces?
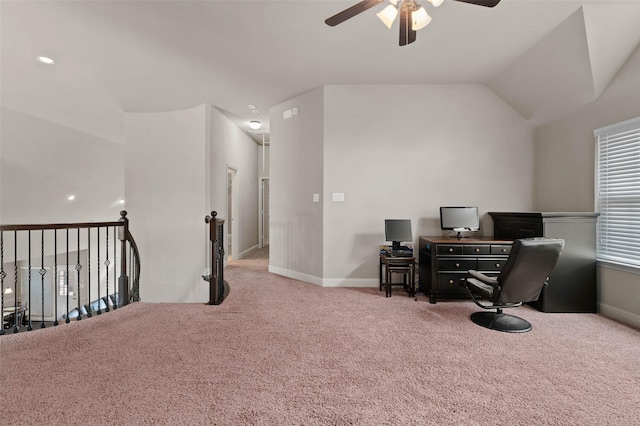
{"x":66,"y":271}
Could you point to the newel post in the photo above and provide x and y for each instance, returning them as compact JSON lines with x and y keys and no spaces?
{"x":123,"y":280}
{"x":213,"y":237}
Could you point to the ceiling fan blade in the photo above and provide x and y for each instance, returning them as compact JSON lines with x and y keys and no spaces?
{"x":487,"y":3}
{"x":354,"y":10}
{"x":407,"y":34}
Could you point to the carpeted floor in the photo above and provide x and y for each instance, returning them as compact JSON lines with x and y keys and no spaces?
{"x":282,"y":352}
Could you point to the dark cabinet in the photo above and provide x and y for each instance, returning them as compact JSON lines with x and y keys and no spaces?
{"x":444,"y":261}
{"x":572,"y":284}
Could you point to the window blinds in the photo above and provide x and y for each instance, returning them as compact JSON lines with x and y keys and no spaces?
{"x":618,"y":192}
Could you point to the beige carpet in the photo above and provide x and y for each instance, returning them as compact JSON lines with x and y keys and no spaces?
{"x":282,"y":352}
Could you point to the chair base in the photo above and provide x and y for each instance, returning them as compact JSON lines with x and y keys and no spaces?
{"x":501,"y":322}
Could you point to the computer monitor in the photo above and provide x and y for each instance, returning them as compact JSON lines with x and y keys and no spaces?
{"x":397,"y":231}
{"x":459,"y":219}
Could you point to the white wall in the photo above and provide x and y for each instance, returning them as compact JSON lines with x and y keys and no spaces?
{"x":565,"y":179}
{"x":42,"y":163}
{"x":296,"y":173}
{"x":394,"y":152}
{"x":402,"y":152}
{"x":167,"y":199}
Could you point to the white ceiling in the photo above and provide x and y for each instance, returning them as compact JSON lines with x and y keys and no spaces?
{"x":544,"y":57}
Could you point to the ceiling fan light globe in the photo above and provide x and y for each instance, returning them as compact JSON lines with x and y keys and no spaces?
{"x":255,"y":124}
{"x":436,"y":3}
{"x":388,"y":15}
{"x":420,"y":19}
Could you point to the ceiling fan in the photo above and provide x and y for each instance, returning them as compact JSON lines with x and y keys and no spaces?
{"x":412,"y":16}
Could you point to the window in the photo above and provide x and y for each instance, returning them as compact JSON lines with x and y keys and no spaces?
{"x":618,"y":193}
{"x":65,"y":285}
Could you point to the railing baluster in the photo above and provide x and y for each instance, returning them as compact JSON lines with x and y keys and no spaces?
{"x":90,"y":311}
{"x":15,"y":281}
{"x":29,"y":328}
{"x":78,"y":268}
{"x":2,"y":277}
{"x":56,"y":290}
{"x":42,"y":274}
{"x":115,"y":256}
{"x":98,"y":261}
{"x":106,"y":262}
{"x":67,"y":320}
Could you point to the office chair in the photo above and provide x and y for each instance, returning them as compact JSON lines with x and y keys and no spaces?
{"x":521,"y":280}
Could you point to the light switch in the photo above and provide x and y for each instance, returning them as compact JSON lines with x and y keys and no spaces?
{"x":294,"y":111}
{"x":316,"y":198}
{"x":337,"y":196}
{"x":287,"y":114}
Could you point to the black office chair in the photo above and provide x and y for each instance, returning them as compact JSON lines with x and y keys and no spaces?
{"x":520,"y":281}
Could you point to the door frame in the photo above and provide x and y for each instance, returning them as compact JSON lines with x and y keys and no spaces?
{"x":232,"y":206}
{"x":261,"y":240}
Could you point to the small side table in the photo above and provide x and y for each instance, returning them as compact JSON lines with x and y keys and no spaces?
{"x":405,"y":265}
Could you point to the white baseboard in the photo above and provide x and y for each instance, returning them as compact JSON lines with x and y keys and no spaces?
{"x":324,"y":282}
{"x":619,"y":315}
{"x":350,"y":282}
{"x":247,"y":252}
{"x":311,"y":279}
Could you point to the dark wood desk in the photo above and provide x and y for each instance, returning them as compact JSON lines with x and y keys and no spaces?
{"x":398,"y":264}
{"x":444,"y":261}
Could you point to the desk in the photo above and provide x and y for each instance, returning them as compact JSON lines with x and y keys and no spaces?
{"x":444,"y":261}
{"x":398,"y":264}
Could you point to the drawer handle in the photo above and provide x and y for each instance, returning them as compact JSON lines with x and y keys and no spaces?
{"x":477,"y":250}
{"x":450,"y":281}
{"x":457,"y":265}
{"x":497,"y":265}
{"x":450,"y":249}
{"x":504,"y":250}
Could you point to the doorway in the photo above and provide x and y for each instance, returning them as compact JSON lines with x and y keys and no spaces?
{"x":38,"y":295}
{"x":232,"y":202}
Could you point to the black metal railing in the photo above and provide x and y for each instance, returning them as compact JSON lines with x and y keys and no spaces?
{"x":59,"y":272}
{"x":218,"y":287}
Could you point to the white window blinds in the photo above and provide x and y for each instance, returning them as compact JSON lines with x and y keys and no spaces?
{"x":618,"y":192}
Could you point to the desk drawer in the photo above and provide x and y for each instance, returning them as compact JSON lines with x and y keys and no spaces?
{"x":500,"y":248}
{"x":449,"y":249}
{"x":450,"y":283}
{"x":477,"y":249}
{"x":491,"y":264}
{"x":456,"y":264}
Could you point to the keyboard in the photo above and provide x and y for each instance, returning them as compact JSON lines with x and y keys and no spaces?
{"x":400,"y":253}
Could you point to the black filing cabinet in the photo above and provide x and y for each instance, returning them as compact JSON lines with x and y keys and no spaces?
{"x":572,"y":284}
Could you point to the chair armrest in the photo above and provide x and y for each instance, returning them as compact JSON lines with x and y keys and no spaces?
{"x":482,"y":277}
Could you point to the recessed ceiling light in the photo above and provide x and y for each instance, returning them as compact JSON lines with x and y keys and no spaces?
{"x":45,"y":60}
{"x":255,"y":124}
{"x":71,"y":197}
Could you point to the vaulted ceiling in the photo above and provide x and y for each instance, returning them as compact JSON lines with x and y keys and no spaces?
{"x":544,"y":57}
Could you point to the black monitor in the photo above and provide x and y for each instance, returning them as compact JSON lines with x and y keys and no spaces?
{"x":397,"y":231}
{"x":459,"y":219}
